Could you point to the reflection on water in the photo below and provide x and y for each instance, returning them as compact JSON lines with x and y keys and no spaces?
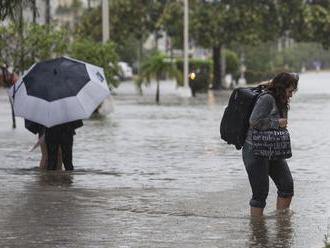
{"x":284,"y":229}
{"x":259,"y":234}
{"x":32,"y":213}
{"x":159,"y":176}
{"x":280,"y":235}
{"x":62,"y":179}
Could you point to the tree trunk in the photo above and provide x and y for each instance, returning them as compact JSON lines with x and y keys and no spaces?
{"x":47,"y":12}
{"x":34,"y":11}
{"x":12,"y":112}
{"x":140,"y":55}
{"x":156,"y":40}
{"x":216,"y":67}
{"x":21,"y":38}
{"x":34,"y":20}
{"x":157,"y":91}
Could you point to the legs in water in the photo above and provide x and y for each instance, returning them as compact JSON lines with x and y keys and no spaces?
{"x":281,"y":175}
{"x":259,"y":170}
{"x":256,"y":212}
{"x":283,"y":203}
{"x":67,"y":154}
{"x":258,"y":173}
{"x":59,"y":159}
{"x":52,"y":150}
{"x":44,"y":155}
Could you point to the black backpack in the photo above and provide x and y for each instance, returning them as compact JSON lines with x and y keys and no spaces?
{"x":235,"y":120}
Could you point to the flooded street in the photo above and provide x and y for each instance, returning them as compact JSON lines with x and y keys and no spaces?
{"x":159,"y":176}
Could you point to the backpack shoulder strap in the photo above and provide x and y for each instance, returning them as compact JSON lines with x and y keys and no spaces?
{"x":263,"y":92}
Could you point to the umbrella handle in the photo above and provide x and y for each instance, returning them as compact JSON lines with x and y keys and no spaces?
{"x":15,"y":90}
{"x":11,"y":101}
{"x":12,"y":113}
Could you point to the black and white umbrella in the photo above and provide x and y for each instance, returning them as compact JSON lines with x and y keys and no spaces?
{"x":59,"y":90}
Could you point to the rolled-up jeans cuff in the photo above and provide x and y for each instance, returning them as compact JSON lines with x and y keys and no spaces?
{"x":285,"y":194}
{"x":257,"y":204}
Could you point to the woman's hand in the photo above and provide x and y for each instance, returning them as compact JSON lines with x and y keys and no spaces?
{"x":283,"y":122}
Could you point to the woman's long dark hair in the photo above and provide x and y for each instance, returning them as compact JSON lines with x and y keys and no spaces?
{"x":278,"y":85}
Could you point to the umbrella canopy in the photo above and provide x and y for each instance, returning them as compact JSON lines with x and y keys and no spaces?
{"x":59,"y":90}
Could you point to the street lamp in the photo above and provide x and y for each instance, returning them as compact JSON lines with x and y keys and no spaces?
{"x":105,"y":21}
{"x":185,"y":91}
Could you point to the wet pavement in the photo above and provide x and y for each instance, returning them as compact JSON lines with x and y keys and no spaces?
{"x":159,"y":176}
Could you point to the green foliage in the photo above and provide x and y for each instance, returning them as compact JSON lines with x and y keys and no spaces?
{"x":99,"y":54}
{"x":229,"y":21}
{"x":75,"y":6}
{"x":265,"y":61}
{"x":213,"y":24}
{"x":155,"y":67}
{"x":195,"y":63}
{"x":202,"y":69}
{"x":172,"y":22}
{"x":9,"y":7}
{"x":127,"y":50}
{"x":232,"y":62}
{"x":90,"y":26}
{"x":326,"y":241}
{"x":127,"y":18}
{"x":259,"y":57}
{"x":262,"y":62}
{"x":225,"y":22}
{"x":42,"y":42}
{"x":303,"y":55}
{"x":46,"y":41}
{"x":39,"y":42}
{"x":130,"y":24}
{"x":305,"y":21}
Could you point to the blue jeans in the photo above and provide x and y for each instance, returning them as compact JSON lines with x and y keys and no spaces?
{"x":259,"y":170}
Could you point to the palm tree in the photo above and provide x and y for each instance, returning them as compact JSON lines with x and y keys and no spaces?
{"x":154,"y":67}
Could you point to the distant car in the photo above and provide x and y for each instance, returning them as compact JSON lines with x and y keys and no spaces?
{"x":125,"y":71}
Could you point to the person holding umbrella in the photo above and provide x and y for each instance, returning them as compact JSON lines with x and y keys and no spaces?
{"x":59,"y":93}
{"x":60,"y":138}
{"x":39,"y":129}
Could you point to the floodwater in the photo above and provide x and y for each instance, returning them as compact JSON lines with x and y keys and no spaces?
{"x":159,"y":176}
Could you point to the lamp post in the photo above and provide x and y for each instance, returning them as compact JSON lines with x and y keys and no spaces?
{"x":105,"y":21}
{"x":185,"y":91}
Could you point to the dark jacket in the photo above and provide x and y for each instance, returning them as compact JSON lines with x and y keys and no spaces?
{"x":62,"y":133}
{"x":34,"y":127}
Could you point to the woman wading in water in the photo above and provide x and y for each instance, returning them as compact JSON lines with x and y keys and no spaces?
{"x":270,"y":112}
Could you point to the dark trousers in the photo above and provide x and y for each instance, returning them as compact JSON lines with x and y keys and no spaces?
{"x":66,"y":148}
{"x":259,"y":170}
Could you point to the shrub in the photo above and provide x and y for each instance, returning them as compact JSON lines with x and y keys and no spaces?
{"x":202,"y":70}
{"x":265,"y":61}
{"x":232,"y":63}
{"x":99,"y":54}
